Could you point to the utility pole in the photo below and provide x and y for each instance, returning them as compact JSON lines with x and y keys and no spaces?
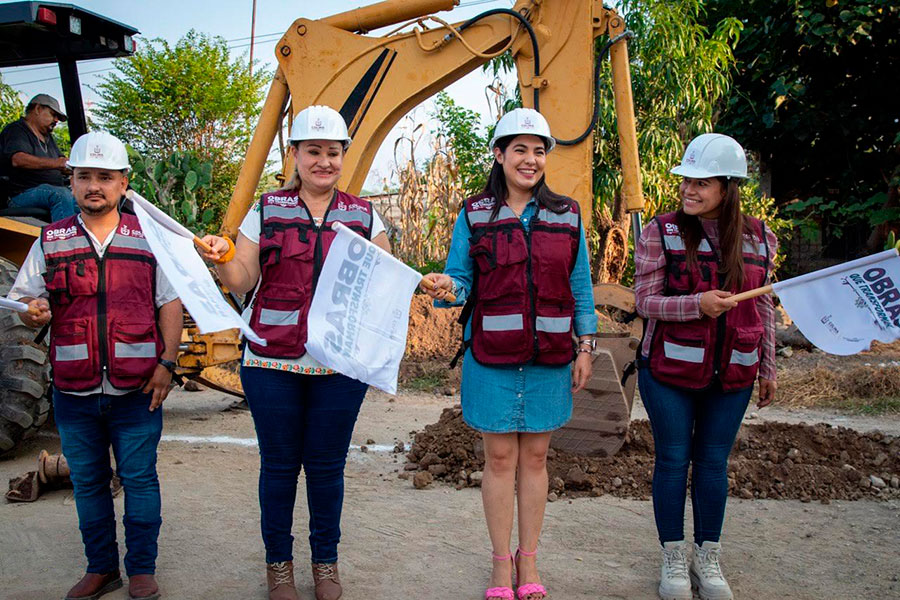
{"x":252,"y":35}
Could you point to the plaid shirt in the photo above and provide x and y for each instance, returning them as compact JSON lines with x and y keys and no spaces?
{"x":649,"y":284}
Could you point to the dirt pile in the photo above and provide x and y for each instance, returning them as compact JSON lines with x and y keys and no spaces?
{"x":433,"y":332}
{"x":770,"y":460}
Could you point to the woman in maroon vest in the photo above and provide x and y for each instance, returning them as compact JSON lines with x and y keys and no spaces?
{"x":519,"y":257}
{"x":304,"y":413}
{"x":702,"y":352}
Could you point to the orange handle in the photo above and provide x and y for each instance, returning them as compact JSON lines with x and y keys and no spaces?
{"x":752,"y":293}
{"x":426,"y":283}
{"x":202,"y":245}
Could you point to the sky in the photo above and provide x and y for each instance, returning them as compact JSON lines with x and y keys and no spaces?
{"x":231,"y":19}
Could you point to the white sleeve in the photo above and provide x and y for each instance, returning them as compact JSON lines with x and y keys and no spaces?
{"x":30,"y":280}
{"x":250,"y":226}
{"x":165,"y":293}
{"x":377,"y":224}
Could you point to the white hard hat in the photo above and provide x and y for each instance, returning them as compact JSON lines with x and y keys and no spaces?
{"x":523,"y":121}
{"x":100,"y":150}
{"x":319,"y":122}
{"x":713,"y":155}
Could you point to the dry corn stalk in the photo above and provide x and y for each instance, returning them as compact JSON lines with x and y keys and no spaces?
{"x":428,"y":201}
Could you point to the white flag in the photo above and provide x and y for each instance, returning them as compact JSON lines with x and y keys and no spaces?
{"x":175,"y":254}
{"x":159,"y":216}
{"x":842,"y":309}
{"x":359,"y":314}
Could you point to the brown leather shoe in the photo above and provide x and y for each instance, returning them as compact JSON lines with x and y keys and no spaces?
{"x":143,"y":587}
{"x":94,"y":585}
{"x":327,"y":581}
{"x":280,"y":577}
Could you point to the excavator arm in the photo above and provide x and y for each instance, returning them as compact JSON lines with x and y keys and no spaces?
{"x":375,"y":81}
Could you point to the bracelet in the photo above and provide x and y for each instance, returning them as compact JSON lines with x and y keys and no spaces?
{"x":229,"y":254}
{"x":583,"y":351}
{"x":591,"y":344}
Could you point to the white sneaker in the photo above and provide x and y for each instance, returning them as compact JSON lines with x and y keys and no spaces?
{"x":674,"y":582}
{"x":706,"y":573}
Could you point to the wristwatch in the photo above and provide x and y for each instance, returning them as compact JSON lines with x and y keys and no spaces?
{"x":168,"y":364}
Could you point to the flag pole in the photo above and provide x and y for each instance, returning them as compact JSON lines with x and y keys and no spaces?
{"x":202,"y":245}
{"x":18,"y":306}
{"x":428,"y":284}
{"x":766,"y":289}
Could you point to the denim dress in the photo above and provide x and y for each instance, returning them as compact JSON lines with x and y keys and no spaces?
{"x":523,"y":398}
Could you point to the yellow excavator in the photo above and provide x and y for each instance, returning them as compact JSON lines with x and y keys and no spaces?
{"x":374,"y":81}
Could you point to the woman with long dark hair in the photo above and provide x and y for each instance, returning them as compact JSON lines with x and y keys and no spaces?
{"x":702,"y":352}
{"x":519,"y":261}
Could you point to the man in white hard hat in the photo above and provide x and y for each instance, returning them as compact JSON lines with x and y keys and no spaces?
{"x":115,"y":327}
{"x":33,"y":163}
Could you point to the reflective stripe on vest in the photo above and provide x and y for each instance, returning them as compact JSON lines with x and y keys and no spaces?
{"x":278,"y":318}
{"x":73,"y":352}
{"x":68,"y":245}
{"x":287,"y":213}
{"x":502,"y":322}
{"x":676,"y":243}
{"x":142,"y":350}
{"x":554,"y":324}
{"x":685,"y":353}
{"x":747,"y":359}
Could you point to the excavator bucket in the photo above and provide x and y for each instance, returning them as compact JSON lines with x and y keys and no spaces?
{"x":602,"y":410}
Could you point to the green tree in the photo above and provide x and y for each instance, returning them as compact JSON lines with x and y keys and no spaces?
{"x":680,"y":76}
{"x":62,"y":138}
{"x":11,"y":106}
{"x":460,"y":130}
{"x":815,"y":96}
{"x":191,"y":97}
{"x":680,"y":62}
{"x":681,"y":65}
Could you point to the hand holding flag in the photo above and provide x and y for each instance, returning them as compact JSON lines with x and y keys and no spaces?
{"x":185,"y":270}
{"x":843,"y":308}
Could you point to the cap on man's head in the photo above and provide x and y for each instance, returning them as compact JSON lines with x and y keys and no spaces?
{"x":50,"y":102}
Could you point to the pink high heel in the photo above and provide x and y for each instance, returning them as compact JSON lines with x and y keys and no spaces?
{"x":504,"y":593}
{"x":527,"y":589}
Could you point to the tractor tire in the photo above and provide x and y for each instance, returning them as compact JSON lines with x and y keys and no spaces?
{"x":24,"y":373}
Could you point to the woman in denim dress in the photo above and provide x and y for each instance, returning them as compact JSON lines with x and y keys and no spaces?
{"x":516,"y":406}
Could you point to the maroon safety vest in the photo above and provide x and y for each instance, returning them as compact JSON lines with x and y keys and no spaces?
{"x":693,"y":354}
{"x":523,"y":303}
{"x":292,"y":250}
{"x":104,"y":309}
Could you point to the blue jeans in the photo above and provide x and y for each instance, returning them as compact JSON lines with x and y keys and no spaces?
{"x":302,"y":421}
{"x":88,"y":425}
{"x":691,"y":428}
{"x":57,"y":199}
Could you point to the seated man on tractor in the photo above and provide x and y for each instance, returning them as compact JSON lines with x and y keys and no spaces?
{"x":31,"y":160}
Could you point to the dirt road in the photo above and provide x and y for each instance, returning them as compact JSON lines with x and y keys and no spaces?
{"x":400,"y":543}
